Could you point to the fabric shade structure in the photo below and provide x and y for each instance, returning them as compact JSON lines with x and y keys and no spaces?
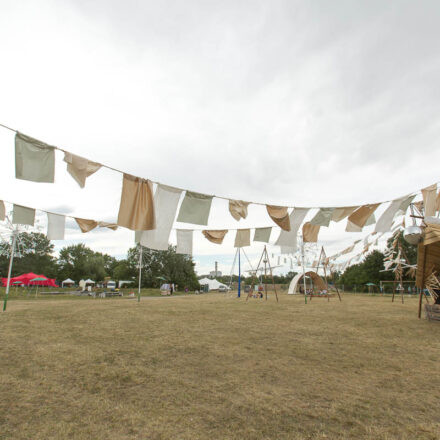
{"x":316,"y":279}
{"x":68,"y":282}
{"x":89,"y":281}
{"x":212,"y":284}
{"x":31,"y":279}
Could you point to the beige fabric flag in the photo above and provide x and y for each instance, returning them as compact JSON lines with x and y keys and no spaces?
{"x":262,"y":234}
{"x":23,"y":216}
{"x":136,"y":211}
{"x":310,"y":232}
{"x":112,"y":226}
{"x":238,"y":209}
{"x":86,"y":225}
{"x":323,"y":217}
{"x":2,"y":210}
{"x":34,"y":160}
{"x":437,"y":202}
{"x":80,"y":168}
{"x":362,"y":214}
{"x":340,"y":213}
{"x":55,"y":226}
{"x":351,"y":227}
{"x":215,"y":236}
{"x":195,"y":208}
{"x":429,"y":199}
{"x":184,"y":241}
{"x":280,"y":215}
{"x":242,"y":238}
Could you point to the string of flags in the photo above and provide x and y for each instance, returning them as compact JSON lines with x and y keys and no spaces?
{"x":151,"y":212}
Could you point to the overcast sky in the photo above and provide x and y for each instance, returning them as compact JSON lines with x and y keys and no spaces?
{"x":302,"y":103}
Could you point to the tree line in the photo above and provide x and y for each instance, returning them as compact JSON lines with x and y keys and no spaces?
{"x":35,"y":254}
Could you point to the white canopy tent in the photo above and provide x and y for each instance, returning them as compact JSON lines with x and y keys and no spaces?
{"x":212,"y":284}
{"x":68,"y":282}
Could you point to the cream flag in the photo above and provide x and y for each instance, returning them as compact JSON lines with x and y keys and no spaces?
{"x":166,"y":199}
{"x":242,"y":238}
{"x":34,"y":160}
{"x":385,"y":221}
{"x":238,"y":209}
{"x":340,"y":213}
{"x":195,"y":208}
{"x":184,"y":241}
{"x":112,"y":226}
{"x":80,"y":168}
{"x":2,"y":210}
{"x":429,"y":199}
{"x":23,"y":216}
{"x":323,"y":217}
{"x":262,"y":234}
{"x":55,"y":226}
{"x":289,"y":239}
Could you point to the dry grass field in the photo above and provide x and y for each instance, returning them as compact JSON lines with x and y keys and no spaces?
{"x":214,"y":367}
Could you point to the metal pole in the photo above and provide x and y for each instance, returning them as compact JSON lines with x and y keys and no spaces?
{"x":239,"y":274}
{"x":304,"y":273}
{"x":140,"y":272}
{"x":11,"y":260}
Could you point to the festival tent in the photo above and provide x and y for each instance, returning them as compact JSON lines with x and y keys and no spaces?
{"x":27,"y":280}
{"x":317,"y":281}
{"x":212,"y":284}
{"x":68,"y":282}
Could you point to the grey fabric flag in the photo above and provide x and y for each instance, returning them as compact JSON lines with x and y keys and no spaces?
{"x":184,"y":241}
{"x":322,"y":217}
{"x":23,"y":216}
{"x":370,"y":220}
{"x":195,"y":208}
{"x":262,"y":234}
{"x":55,"y":226}
{"x":34,"y":160}
{"x":289,"y":238}
{"x":242,"y":238}
{"x":2,"y":210}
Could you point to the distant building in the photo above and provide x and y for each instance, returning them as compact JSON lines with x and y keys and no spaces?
{"x":214,"y":274}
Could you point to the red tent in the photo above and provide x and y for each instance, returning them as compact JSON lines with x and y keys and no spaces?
{"x":26,"y":278}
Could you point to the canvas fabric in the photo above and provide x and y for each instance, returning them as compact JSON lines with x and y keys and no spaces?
{"x":323,"y":217}
{"x":262,"y":234}
{"x":385,"y":221}
{"x":80,"y":168}
{"x":136,"y":210}
{"x":429,"y":199}
{"x":23,"y":216}
{"x":184,"y":241}
{"x":371,"y":220}
{"x":238,"y":209}
{"x":405,"y":203}
{"x":56,"y":225}
{"x":86,"y":225}
{"x":340,"y":213}
{"x":195,"y":208}
{"x":280,"y":215}
{"x":2,"y":210}
{"x":351,"y":227}
{"x":216,"y":236}
{"x":347,"y":250}
{"x":166,"y":199}
{"x":34,"y":160}
{"x":362,"y":214}
{"x":310,"y":232}
{"x":288,"y":239}
{"x":112,"y":226}
{"x":287,"y":250}
{"x":242,"y":238}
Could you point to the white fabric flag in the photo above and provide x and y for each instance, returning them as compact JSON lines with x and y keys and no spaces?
{"x":184,"y":241}
{"x":166,"y":199}
{"x":2,"y":210}
{"x":323,"y":217}
{"x":279,"y":259}
{"x":404,"y":205}
{"x":23,"y":216}
{"x":386,"y":219}
{"x":289,"y":238}
{"x":429,"y":199}
{"x":55,"y":226}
